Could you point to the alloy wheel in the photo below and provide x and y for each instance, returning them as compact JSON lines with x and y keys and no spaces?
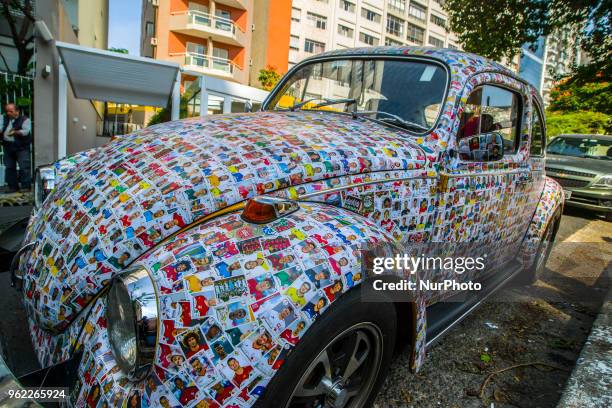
{"x":344,"y":372}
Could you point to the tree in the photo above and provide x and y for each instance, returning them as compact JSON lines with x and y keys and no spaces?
{"x":572,"y":96}
{"x":268,"y":77}
{"x":559,"y":123}
{"x":20,"y":19}
{"x":498,"y":28}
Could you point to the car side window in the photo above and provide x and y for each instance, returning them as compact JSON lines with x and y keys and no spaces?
{"x":537,"y":132}
{"x":489,"y":124}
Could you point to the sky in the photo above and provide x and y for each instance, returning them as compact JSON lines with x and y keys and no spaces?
{"x":124,"y":25}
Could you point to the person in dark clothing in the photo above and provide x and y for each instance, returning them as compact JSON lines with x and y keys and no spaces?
{"x":16,"y":140}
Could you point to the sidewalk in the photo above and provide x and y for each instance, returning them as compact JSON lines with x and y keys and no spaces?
{"x":590,"y":384}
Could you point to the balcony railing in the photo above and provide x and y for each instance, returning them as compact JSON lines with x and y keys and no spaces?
{"x":199,"y":18}
{"x":208,"y":62}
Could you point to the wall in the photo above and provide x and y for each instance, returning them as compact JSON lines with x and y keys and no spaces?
{"x":46,"y":91}
{"x":270,"y":43}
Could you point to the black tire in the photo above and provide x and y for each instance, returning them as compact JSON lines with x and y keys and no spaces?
{"x":536,"y":270}
{"x":330,"y":332}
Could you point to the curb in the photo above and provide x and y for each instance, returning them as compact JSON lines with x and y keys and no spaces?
{"x":590,"y":383}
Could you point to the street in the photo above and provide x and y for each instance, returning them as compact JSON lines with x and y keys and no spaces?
{"x":546,"y":324}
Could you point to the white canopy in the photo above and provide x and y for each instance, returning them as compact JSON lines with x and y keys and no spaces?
{"x":113,"y":77}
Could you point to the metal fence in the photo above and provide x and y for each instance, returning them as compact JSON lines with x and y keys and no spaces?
{"x":16,"y":89}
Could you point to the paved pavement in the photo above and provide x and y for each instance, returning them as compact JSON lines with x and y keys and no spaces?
{"x":591,"y":382}
{"x":546,"y":323}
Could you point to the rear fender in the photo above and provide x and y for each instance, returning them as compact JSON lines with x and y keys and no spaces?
{"x":552,"y":199}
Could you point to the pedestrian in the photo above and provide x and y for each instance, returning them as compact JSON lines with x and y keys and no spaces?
{"x":16,"y":141}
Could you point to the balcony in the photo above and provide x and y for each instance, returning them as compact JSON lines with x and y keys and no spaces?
{"x":205,"y":25}
{"x":207,"y":64}
{"x":239,"y":4}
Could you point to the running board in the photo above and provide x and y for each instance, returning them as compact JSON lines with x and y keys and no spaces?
{"x":442,"y":316}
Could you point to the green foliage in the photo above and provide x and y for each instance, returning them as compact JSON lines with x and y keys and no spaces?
{"x":498,"y":28}
{"x":119,"y":50}
{"x":558,"y":123}
{"x":164,"y":114}
{"x":268,"y":77}
{"x":571,"y":96}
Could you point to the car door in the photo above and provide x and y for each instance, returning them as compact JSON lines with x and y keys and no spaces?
{"x":486,"y":188}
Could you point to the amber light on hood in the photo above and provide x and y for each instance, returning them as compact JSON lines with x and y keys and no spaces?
{"x":261,"y":210}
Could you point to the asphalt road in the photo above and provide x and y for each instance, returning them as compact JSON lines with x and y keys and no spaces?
{"x":544,"y":323}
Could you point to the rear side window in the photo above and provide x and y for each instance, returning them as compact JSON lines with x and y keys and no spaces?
{"x":537,"y":132}
{"x":489,"y":124}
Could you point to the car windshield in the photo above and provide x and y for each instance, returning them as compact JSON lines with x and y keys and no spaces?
{"x":400,"y":92}
{"x":581,"y":147}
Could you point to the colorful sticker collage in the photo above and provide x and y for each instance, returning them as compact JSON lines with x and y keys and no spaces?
{"x":235,"y":298}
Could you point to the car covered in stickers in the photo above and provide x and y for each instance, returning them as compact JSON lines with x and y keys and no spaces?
{"x":218,"y":261}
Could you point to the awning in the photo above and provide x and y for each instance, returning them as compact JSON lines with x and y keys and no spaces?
{"x":113,"y":77}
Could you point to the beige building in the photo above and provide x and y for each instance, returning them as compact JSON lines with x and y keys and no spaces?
{"x":321,"y":25}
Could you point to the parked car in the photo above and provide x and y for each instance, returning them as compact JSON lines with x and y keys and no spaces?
{"x":218,"y":261}
{"x":582,"y":164}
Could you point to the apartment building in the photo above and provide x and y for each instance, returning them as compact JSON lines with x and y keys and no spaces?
{"x":321,"y":25}
{"x":551,"y":57}
{"x":228,"y":39}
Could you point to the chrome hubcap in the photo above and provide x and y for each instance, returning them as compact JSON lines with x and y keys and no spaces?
{"x":343,"y":374}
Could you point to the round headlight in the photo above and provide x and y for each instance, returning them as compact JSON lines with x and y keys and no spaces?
{"x":44,"y":183}
{"x":132,"y":318}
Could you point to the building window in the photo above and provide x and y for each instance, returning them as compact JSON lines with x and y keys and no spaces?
{"x":416,"y":34}
{"x":313,"y":47}
{"x":440,"y":2}
{"x":196,"y":48}
{"x":437,"y":20}
{"x":150,"y":29}
{"x":294,"y":42}
{"x":436,"y":42}
{"x":389,"y":41}
{"x":296,"y":14}
{"x":395,"y":26}
{"x":370,"y":15}
{"x":347,"y":6}
{"x":368,"y":39}
{"x":317,"y":21}
{"x":452,"y":46}
{"x":345,"y":31}
{"x":399,"y":5}
{"x":417,"y":11}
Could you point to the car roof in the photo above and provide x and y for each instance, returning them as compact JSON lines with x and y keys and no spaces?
{"x":580,"y":136}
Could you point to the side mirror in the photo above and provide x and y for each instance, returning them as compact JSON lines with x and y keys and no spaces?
{"x":484,"y":147}
{"x":248,"y":106}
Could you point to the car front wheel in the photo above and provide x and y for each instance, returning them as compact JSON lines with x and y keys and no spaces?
{"x":341,"y":361}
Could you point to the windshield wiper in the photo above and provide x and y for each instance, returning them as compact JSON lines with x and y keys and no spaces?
{"x":393,"y":119}
{"x":328,"y":101}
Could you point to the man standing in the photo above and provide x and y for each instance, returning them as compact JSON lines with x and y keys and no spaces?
{"x":16,"y":140}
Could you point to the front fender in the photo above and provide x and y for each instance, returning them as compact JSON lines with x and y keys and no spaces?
{"x":551,"y":200}
{"x":230,"y":290}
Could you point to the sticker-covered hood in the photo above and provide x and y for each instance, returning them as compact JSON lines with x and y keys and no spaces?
{"x":124,"y":198}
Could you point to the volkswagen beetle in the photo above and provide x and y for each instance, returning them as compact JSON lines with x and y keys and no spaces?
{"x":217,"y":261}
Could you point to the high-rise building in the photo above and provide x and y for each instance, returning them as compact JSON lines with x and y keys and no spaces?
{"x":229,"y":39}
{"x":321,"y":25}
{"x":551,"y":57}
